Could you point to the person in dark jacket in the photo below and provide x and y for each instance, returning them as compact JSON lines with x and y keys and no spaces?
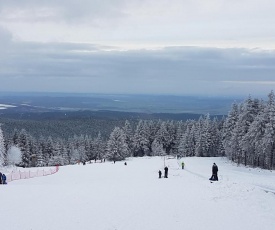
{"x":0,"y":178}
{"x":214,"y":172}
{"x":166,"y":172}
{"x":182,"y":165}
{"x":160,"y":174}
{"x":4,"y":178}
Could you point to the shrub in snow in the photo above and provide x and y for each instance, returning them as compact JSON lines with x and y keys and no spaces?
{"x":14,"y":155}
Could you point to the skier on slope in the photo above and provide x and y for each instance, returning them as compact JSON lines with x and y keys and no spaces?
{"x":0,"y":178}
{"x":4,"y":178}
{"x":182,"y":165}
{"x":214,"y":172}
{"x":166,"y":172}
{"x":160,"y":174}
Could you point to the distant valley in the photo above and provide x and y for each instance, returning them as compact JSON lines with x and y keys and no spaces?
{"x":22,"y":103}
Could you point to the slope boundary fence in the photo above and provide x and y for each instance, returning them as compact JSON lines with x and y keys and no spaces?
{"x":18,"y":175}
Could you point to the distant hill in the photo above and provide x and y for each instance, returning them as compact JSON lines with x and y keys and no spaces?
{"x":146,"y":104}
{"x":63,"y":115}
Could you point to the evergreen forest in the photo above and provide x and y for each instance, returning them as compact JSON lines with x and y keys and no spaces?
{"x":246,"y":136}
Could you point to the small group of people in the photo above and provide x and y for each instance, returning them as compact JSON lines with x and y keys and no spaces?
{"x":214,"y":176}
{"x":165,"y":172}
{"x":3,"y":178}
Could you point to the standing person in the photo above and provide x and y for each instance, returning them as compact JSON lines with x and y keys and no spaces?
{"x":4,"y":178}
{"x":182,"y":165}
{"x":214,"y":172}
{"x":0,"y":178}
{"x":160,"y":174}
{"x":166,"y":172}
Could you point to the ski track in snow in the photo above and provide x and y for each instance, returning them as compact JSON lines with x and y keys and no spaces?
{"x":108,"y":196}
{"x":246,"y":177}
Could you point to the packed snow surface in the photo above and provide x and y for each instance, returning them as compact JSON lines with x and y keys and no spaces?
{"x":108,"y":196}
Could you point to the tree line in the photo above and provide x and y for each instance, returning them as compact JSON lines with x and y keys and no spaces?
{"x":146,"y":138}
{"x":249,"y":132}
{"x":246,"y":136}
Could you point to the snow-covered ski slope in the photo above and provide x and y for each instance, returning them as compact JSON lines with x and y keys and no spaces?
{"x":108,"y":196}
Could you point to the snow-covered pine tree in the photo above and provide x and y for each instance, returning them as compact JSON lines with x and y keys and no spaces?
{"x":24,"y":148}
{"x":172,"y":130}
{"x":2,"y":148}
{"x":228,"y":130}
{"x":235,"y":147}
{"x":82,"y":148}
{"x":87,"y":147}
{"x":117,"y":148}
{"x":56,"y":158}
{"x":253,"y":141}
{"x":207,"y":136}
{"x":245,"y":119}
{"x":250,"y":111}
{"x":15,"y":137}
{"x":64,"y":154}
{"x":152,"y":131}
{"x":269,"y":134}
{"x":187,"y":142}
{"x":163,"y":137}
{"x":140,"y":140}
{"x":73,"y":155}
{"x":40,"y":159}
{"x":157,"y":149}
{"x":49,"y":149}
{"x":99,"y":147}
{"x":216,"y":139}
{"x":129,"y":136}
{"x":199,"y":138}
{"x":179,"y":127}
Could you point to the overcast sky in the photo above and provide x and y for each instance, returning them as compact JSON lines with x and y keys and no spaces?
{"x":205,"y":47}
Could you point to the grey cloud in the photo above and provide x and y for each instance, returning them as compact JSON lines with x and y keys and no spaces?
{"x":161,"y":7}
{"x":175,"y":10}
{"x":245,"y":23}
{"x":5,"y":40}
{"x":68,"y":10}
{"x":63,"y":66}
